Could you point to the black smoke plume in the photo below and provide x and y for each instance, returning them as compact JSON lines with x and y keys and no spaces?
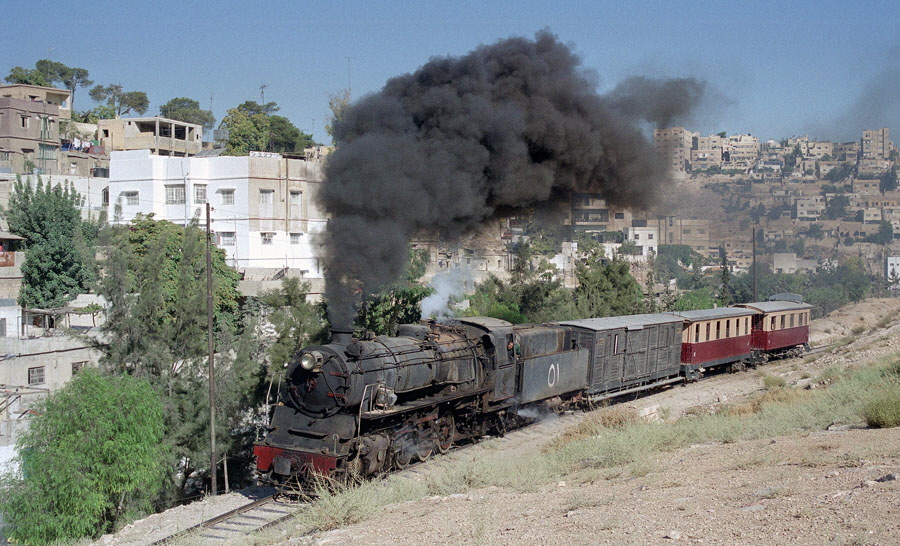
{"x":509,"y":125}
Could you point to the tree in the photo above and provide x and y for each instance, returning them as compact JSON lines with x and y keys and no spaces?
{"x":606,"y":289}
{"x":836,"y":207}
{"x":338,"y":104}
{"x":297,"y":322}
{"x":726,"y":292}
{"x":58,"y":258}
{"x":155,"y":281}
{"x":397,"y":304}
{"x":71,"y":78}
{"x":284,"y":137}
{"x":26,"y":76}
{"x":123,"y":102}
{"x":888,"y":180}
{"x":885,"y":234}
{"x":246,"y":133}
{"x":91,"y":454}
{"x":188,"y":111}
{"x":94,"y":115}
{"x":251,"y":107}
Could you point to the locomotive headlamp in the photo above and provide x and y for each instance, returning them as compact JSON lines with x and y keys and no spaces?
{"x":311,"y":361}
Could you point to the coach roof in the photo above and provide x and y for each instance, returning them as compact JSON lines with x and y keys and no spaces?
{"x":630,"y":322}
{"x":775,"y":306}
{"x":713,"y":314}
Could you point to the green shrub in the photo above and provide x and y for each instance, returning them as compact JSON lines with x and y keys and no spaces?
{"x":773,"y":382}
{"x":883,"y":409}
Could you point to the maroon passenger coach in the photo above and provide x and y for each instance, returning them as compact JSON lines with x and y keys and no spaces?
{"x":715,"y":337}
{"x":780,"y":328}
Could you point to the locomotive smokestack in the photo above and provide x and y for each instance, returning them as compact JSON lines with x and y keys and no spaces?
{"x":341,"y":337}
{"x":510,"y":125}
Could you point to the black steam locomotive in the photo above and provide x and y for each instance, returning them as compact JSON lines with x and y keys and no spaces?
{"x":359,"y":407}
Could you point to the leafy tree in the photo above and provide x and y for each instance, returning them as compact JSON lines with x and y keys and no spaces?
{"x":246,"y":133}
{"x":836,"y":207}
{"x":284,"y":137}
{"x":92,"y":454}
{"x":95,"y":114}
{"x":26,"y":76}
{"x":885,"y":234}
{"x":252,"y":107}
{"x":839,"y":173}
{"x":815,"y":231}
{"x":798,"y":247}
{"x":297,"y":322}
{"x":888,"y":180}
{"x":726,"y":292}
{"x":58,"y":258}
{"x":71,"y":78}
{"x":398,"y":304}
{"x":123,"y":102}
{"x":188,"y":111}
{"x":155,"y":281}
{"x":606,"y":289}
{"x":691,"y":300}
{"x":338,"y":104}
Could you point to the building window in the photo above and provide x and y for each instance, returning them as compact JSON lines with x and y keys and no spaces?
{"x":131,"y":198}
{"x":105,"y":196}
{"x":650,"y":236}
{"x":226,"y":238}
{"x":267,"y":237}
{"x":637,"y":236}
{"x":227,"y":197}
{"x":25,"y":121}
{"x":295,"y":238}
{"x":78,"y":366}
{"x":266,"y":197}
{"x":36,"y":375}
{"x":175,"y":195}
{"x":619,"y":216}
{"x":296,"y":198}
{"x":199,"y":194}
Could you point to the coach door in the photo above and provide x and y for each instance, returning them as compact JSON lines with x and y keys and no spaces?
{"x":505,"y":372}
{"x":609,"y":360}
{"x":636,"y":357}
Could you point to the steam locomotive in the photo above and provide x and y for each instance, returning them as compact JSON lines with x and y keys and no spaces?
{"x":358,"y":407}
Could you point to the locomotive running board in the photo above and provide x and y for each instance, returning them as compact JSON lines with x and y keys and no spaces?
{"x":608,"y":395}
{"x":424,"y":402}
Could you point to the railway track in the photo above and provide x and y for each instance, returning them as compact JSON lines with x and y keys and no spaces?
{"x":243,"y":520}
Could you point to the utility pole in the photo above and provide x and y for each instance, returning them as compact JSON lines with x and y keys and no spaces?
{"x":754,"y":265}
{"x":262,"y":94}
{"x":209,"y":336}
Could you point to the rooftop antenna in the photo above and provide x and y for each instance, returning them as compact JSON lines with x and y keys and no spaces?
{"x":262,"y":93}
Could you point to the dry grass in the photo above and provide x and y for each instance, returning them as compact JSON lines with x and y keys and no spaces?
{"x":595,"y":422}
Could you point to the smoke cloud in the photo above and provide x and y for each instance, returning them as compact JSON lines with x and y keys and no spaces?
{"x":513,"y":124}
{"x":447,"y":284}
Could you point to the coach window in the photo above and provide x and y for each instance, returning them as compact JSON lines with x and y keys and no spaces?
{"x":773,"y":324}
{"x":792,"y":320}
{"x":718,"y":329}
{"x":616,"y":344}
{"x":728,"y":328}
{"x":782,"y":322}
{"x":746,"y":325}
{"x":707,"y":331}
{"x":697,"y":334}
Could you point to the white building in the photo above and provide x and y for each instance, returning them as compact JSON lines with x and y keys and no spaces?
{"x":264,"y":211}
{"x":645,"y":238}
{"x":892,"y":270}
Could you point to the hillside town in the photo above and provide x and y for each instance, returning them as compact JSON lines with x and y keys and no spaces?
{"x":808,"y":202}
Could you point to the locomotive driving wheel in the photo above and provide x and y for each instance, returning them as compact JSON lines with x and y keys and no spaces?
{"x":446,"y":427}
{"x":424,"y":442}
{"x":406,"y":447}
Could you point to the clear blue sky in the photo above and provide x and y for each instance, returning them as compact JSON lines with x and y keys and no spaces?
{"x":827,"y":69}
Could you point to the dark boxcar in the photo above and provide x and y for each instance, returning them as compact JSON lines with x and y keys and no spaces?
{"x":714,"y":337}
{"x":629,"y":353}
{"x":548,"y":364}
{"x":779,"y":325}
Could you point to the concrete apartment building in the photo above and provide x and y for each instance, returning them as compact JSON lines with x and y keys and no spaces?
{"x":590,"y":212}
{"x":674,"y":145}
{"x":162,"y":136}
{"x":876,"y":144}
{"x":708,"y":152}
{"x":674,"y":230}
{"x":740,"y":151}
{"x":264,"y":211}
{"x":30,"y":118}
